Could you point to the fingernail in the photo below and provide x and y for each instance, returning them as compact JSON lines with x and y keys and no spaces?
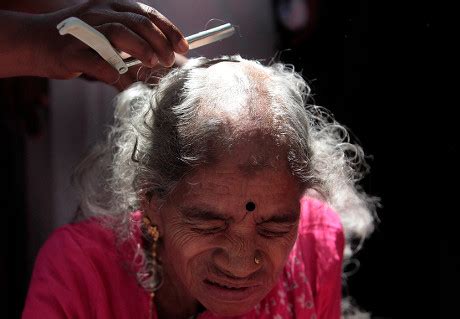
{"x":183,"y":45}
{"x":154,"y":60}
{"x":170,"y":61}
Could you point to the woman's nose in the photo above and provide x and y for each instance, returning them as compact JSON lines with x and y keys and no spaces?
{"x":238,"y":265}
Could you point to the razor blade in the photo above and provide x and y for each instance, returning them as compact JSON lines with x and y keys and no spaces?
{"x":97,"y":41}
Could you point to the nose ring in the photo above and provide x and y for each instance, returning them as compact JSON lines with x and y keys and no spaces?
{"x":256,"y":260}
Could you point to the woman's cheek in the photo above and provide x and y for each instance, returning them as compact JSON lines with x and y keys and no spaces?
{"x":183,"y":244}
{"x":278,"y":249}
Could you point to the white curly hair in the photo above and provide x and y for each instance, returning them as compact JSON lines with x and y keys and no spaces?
{"x":162,"y":132}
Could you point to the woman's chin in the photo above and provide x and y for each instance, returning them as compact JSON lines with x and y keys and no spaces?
{"x":230,"y":309}
{"x":230,"y":302}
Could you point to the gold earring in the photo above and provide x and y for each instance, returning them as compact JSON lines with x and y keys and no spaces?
{"x":152,"y":263}
{"x":152,"y":236}
{"x":152,"y":230}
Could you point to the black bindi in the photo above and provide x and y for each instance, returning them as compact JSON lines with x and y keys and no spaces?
{"x":250,"y":206}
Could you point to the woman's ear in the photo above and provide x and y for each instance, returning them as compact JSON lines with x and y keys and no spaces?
{"x":151,"y":207}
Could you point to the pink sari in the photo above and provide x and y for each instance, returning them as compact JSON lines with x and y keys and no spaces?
{"x":80,"y":273}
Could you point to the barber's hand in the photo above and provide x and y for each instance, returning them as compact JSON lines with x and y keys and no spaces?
{"x":132,"y":27}
{"x":142,"y":73}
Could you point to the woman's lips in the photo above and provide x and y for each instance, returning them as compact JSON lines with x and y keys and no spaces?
{"x":226,"y":291}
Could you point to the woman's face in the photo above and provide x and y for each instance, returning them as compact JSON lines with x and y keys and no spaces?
{"x":211,"y":240}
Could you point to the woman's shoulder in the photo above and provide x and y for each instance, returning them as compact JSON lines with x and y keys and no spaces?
{"x":77,"y":244}
{"x":81,"y":238}
{"x":94,"y":240}
{"x":79,"y":266}
{"x":93,"y":225}
{"x":321,"y":235}
{"x":321,"y":241}
{"x":317,"y":214}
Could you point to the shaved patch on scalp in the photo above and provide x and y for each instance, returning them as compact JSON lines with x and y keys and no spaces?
{"x":241,"y":99}
{"x":240,"y":93}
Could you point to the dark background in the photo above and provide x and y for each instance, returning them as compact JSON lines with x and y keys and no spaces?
{"x":372,"y":63}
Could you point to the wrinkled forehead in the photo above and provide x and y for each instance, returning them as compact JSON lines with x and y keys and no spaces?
{"x":255,"y":152}
{"x":257,"y":162}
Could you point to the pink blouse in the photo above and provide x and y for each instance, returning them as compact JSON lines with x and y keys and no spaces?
{"x":80,"y":272}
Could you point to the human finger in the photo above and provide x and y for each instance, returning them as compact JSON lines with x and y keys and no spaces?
{"x":144,"y":28}
{"x":124,"y":81}
{"x":174,"y":35}
{"x":126,"y":40}
{"x":151,"y":34}
{"x":90,"y":63}
{"x":140,"y":19}
{"x":171,"y":31}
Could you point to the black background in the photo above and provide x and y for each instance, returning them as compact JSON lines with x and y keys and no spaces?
{"x":373,"y":63}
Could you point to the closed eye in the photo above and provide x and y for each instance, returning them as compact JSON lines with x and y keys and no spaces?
{"x":272,"y":234}
{"x":278,"y":225}
{"x":204,"y":221}
{"x":274,"y":230}
{"x":209,"y":229}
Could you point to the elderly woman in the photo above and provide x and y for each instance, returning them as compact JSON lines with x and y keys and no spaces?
{"x":215,"y":195}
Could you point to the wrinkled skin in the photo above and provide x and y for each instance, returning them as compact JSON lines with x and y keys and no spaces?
{"x":201,"y":252}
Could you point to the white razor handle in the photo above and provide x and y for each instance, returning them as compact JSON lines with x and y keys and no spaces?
{"x":94,"y":39}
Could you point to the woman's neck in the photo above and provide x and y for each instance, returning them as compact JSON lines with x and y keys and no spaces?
{"x":173,"y":300}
